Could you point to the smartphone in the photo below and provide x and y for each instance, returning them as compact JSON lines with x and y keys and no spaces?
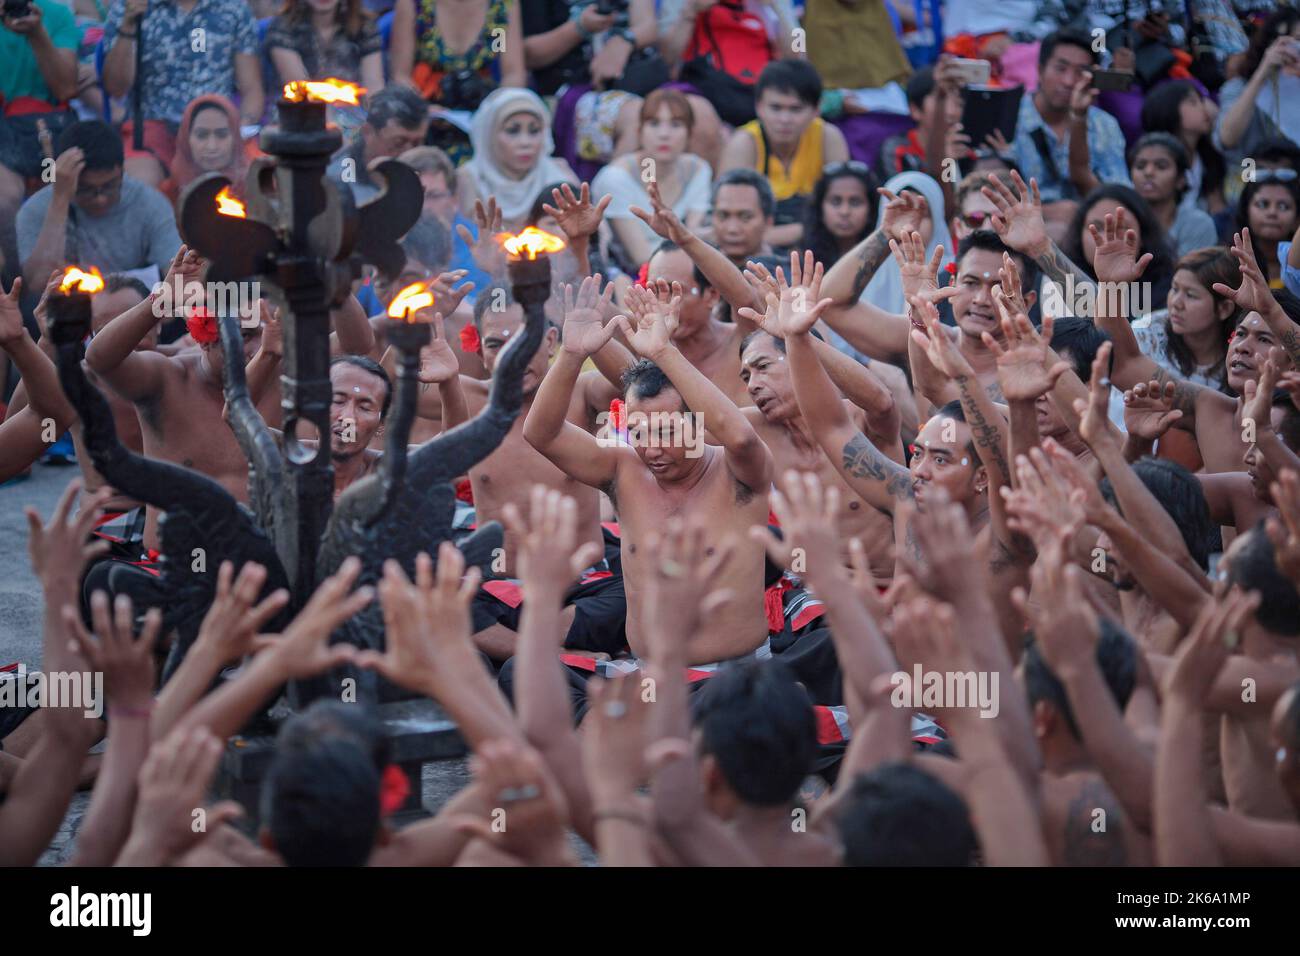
{"x":1107,"y":80}
{"x":971,"y":72}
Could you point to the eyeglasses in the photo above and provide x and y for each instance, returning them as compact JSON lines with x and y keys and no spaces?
{"x":108,"y":189}
{"x":854,"y":166}
{"x":1282,"y":175}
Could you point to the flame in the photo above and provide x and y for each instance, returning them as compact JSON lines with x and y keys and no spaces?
{"x":74,"y":280}
{"x":323,"y":91}
{"x":531,"y":243}
{"x":410,"y":301}
{"x":228,"y":205}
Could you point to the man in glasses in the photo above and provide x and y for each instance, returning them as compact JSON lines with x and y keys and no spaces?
{"x":92,"y":214}
{"x":973,"y":208}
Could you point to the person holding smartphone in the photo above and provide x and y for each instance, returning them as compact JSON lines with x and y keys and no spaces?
{"x":1263,"y":101}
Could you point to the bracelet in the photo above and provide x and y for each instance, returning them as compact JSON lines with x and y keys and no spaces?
{"x":617,"y":813}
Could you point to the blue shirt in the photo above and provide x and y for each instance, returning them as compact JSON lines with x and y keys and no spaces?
{"x":187,"y":54}
{"x":1290,"y":274}
{"x":1105,"y":152}
{"x":462,"y":258}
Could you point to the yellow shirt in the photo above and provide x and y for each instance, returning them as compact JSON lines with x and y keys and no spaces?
{"x":802,"y":174}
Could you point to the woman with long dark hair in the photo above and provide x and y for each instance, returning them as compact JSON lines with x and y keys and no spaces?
{"x":841,"y":210}
{"x":1263,"y":100}
{"x":1079,"y":246}
{"x":1270,"y":206}
{"x":1190,"y":338}
{"x":1179,"y":108}
{"x":1158,"y":166}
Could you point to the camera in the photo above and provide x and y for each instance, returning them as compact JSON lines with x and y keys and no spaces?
{"x":463,"y":90}
{"x":13,"y":9}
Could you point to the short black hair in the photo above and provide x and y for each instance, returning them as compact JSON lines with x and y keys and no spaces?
{"x":485,"y":298}
{"x":544,"y":198}
{"x":990,"y":241}
{"x":396,"y":102}
{"x":117,"y":281}
{"x":1288,"y":300}
{"x":374,"y":368}
{"x":321,"y":795}
{"x":101,"y":146}
{"x":1278,"y":149}
{"x":644,"y":379}
{"x":1289,"y":430}
{"x":920,"y":85}
{"x":899,"y":815}
{"x":954,"y":411}
{"x":429,"y":243}
{"x":700,"y":279}
{"x":1183,"y":498}
{"x":798,"y":77}
{"x":747,"y":177}
{"x":758,"y":723}
{"x":1116,"y":657}
{"x":1254,"y":568}
{"x":1065,"y":37}
{"x":1077,"y":341}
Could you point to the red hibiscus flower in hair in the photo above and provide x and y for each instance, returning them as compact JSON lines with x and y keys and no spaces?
{"x":394,"y":788}
{"x":643,"y":275}
{"x":202,"y":326}
{"x":469,"y":340}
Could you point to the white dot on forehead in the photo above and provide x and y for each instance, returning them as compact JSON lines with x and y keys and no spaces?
{"x":965,"y":461}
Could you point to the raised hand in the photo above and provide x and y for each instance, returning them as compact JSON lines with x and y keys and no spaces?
{"x":943,"y":534}
{"x":800,"y":303}
{"x":59,"y":550}
{"x":486,"y":250}
{"x":662,"y":220}
{"x":1149,"y":409}
{"x":438,"y":362}
{"x":186,"y":265}
{"x":231,"y":627}
{"x":67,"y":173}
{"x":809,"y":516}
{"x":11,"y":317}
{"x":1019,"y":219}
{"x":550,"y":556}
{"x":304,"y":649}
{"x":427,"y":623}
{"x":919,"y":276}
{"x":527,"y":800}
{"x":1022,"y":363}
{"x":1253,"y":295}
{"x":1043,"y":503}
{"x":1216,"y":634}
{"x":1116,"y":257}
{"x":614,"y":739}
{"x":903,"y":214}
{"x":1083,"y":96}
{"x":585,"y":329}
{"x":446,"y":294}
{"x":939,"y":347}
{"x":174,"y":782}
{"x":1008,"y":295}
{"x":577,"y":217}
{"x":126,"y":663}
{"x":655,"y":320}
{"x":1085,"y":492}
{"x":1095,"y":426}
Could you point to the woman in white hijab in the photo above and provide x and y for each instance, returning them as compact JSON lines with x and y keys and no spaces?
{"x":512,"y":163}
{"x":885,"y":290}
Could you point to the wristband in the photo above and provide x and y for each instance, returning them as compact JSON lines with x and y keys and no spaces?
{"x":575,"y":17}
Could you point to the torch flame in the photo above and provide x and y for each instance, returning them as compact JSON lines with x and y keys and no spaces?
{"x":323,"y":91}
{"x":74,"y":280}
{"x":228,"y":205}
{"x":410,"y":301}
{"x":531,"y":243}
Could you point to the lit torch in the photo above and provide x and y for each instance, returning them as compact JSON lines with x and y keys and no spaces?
{"x":228,"y":205}
{"x":304,"y":105}
{"x":405,"y":332}
{"x":529,"y":264}
{"x":69,"y":307}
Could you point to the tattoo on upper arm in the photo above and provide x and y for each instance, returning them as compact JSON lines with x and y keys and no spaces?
{"x":864,"y":460}
{"x":1185,"y":392}
{"x":1290,"y":339}
{"x":873,"y":254}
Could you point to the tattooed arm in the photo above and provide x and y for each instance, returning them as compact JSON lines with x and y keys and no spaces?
{"x":880,"y":481}
{"x":849,"y":276}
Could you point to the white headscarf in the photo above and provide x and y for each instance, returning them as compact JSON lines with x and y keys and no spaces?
{"x":515,"y":197}
{"x":885,"y":290}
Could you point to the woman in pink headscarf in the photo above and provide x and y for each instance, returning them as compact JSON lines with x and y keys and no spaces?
{"x":208,"y":141}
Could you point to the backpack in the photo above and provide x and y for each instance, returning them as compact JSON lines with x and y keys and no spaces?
{"x":727,"y":52}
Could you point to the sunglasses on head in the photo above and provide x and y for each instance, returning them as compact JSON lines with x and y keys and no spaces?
{"x":1283,"y":175}
{"x":847,"y":166}
{"x":976,"y":220}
